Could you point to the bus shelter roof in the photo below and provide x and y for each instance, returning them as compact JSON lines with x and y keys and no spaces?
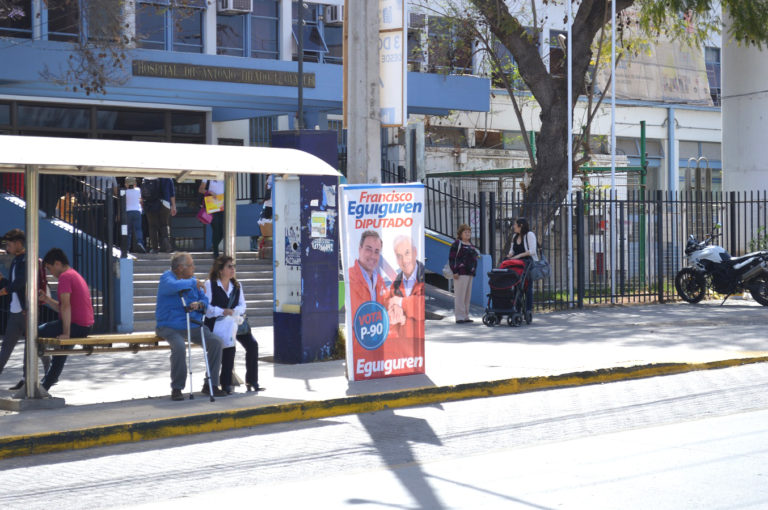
{"x":77,"y":156}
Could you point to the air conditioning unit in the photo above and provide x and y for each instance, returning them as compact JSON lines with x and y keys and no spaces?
{"x":234,"y":6}
{"x":334,"y":15}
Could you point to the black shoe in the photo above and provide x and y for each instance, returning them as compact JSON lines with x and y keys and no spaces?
{"x":17,"y":386}
{"x":45,"y":384}
{"x":469,"y":320}
{"x":462,"y":321}
{"x":227,"y":389}
{"x":176,"y":395}
{"x":218,"y":392}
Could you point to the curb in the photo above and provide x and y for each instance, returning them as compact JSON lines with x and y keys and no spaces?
{"x":56,"y":441}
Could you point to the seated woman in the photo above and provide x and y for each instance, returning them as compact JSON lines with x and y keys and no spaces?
{"x":227,"y":304}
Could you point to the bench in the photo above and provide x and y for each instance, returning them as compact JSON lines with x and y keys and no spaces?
{"x":133,"y":342}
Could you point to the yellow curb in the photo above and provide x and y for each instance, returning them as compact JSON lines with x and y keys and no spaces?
{"x":56,"y":441}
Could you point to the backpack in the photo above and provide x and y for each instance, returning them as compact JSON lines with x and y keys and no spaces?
{"x":150,"y":190}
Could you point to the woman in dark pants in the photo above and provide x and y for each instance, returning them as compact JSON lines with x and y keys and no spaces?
{"x":226,"y":304}
{"x":524,"y":246}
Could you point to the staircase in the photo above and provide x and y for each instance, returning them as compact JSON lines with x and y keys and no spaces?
{"x":254,"y":274}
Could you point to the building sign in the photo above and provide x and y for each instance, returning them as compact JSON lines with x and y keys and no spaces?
{"x":223,"y":74}
{"x":393,"y":48}
{"x":382,"y":248}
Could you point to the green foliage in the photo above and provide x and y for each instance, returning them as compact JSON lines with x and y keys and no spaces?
{"x":339,"y":350}
{"x":760,"y":242}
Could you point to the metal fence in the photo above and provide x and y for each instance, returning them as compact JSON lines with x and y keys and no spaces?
{"x":622,"y":250}
{"x":90,"y":215}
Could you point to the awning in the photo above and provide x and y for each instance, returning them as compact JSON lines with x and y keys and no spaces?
{"x":75,"y":156}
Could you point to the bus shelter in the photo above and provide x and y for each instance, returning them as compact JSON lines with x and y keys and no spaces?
{"x":33,"y":156}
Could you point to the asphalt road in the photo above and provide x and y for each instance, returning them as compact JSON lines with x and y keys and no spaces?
{"x":697,"y":440}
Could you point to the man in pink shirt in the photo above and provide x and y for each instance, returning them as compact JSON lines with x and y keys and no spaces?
{"x":74,"y":307}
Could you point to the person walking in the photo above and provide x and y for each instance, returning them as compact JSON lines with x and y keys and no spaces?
{"x":463,"y":261}
{"x":159,"y":196}
{"x":74,"y":307}
{"x":215,"y":188}
{"x":523,"y":247}
{"x":133,"y":212}
{"x":16,"y":285}
{"x":171,"y":320}
{"x":223,"y":316}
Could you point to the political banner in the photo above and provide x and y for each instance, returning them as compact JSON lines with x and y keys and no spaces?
{"x":382,"y":254}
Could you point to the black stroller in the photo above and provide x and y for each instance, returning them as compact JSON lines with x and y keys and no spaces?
{"x":507,"y":295}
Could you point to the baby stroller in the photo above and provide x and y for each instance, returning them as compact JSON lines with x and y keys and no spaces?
{"x":507,"y":297}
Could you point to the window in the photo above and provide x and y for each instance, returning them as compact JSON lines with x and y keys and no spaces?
{"x":712,"y":60}
{"x":18,"y":21}
{"x":449,"y":45}
{"x":164,"y":26}
{"x":264,"y":23}
{"x":53,"y":117}
{"x":556,"y":52}
{"x":230,"y":35}
{"x":131,"y":120}
{"x":334,"y":39}
{"x":63,"y":20}
{"x":150,"y":26}
{"x":5,"y":114}
{"x":192,"y":123}
{"x":312,"y":39}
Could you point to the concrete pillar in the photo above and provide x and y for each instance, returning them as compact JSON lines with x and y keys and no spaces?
{"x":284,"y":31}
{"x":209,"y":30}
{"x":230,"y":208}
{"x":362,"y":77}
{"x":744,"y":109}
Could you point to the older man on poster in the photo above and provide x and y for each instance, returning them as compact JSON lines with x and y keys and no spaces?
{"x":406,"y":294}
{"x":365,"y":282}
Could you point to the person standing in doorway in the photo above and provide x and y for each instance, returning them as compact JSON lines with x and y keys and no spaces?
{"x":133,"y":216}
{"x":215,"y":188}
{"x":159,"y":197}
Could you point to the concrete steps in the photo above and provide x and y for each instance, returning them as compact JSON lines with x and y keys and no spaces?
{"x":254,"y":274}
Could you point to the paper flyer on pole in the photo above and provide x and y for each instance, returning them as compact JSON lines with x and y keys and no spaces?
{"x":382,"y":248}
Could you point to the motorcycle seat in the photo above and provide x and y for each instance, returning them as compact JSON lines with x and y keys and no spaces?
{"x":742,"y":258}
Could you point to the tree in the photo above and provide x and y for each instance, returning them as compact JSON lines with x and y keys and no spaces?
{"x":504,"y":21}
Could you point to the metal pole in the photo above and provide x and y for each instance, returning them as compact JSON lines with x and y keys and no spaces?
{"x":613,"y":150}
{"x":300,"y":43}
{"x":580,"y":248}
{"x":483,"y":223}
{"x":32,"y":232}
{"x":569,"y":234}
{"x":230,"y":208}
{"x":492,"y":224}
{"x":644,"y":165}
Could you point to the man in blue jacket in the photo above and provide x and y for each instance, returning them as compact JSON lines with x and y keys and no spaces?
{"x":172,"y":322}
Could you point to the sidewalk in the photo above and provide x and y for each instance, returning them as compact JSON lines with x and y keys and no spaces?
{"x":126,"y":397}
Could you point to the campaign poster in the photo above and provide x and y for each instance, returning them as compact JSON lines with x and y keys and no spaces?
{"x":382,"y":252}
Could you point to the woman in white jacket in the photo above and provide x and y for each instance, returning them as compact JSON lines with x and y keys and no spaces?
{"x":224,"y":314}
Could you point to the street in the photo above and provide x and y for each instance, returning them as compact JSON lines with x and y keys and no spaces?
{"x":696,"y":440}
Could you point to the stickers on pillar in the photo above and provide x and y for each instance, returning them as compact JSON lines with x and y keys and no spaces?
{"x":371,"y":325}
{"x":292,"y":244}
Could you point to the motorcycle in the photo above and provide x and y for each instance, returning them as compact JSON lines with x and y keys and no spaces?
{"x":713,"y":267}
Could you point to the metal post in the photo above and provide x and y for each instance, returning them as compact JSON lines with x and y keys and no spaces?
{"x":570,"y":154}
{"x":622,"y":247}
{"x":580,"y":248}
{"x":106,"y":271}
{"x":483,"y":223}
{"x":230,"y":209}
{"x":732,"y":221}
{"x":124,"y":248}
{"x":613,"y":150}
{"x":660,"y":244}
{"x":492,"y":228}
{"x":33,"y":389}
{"x":641,"y":234}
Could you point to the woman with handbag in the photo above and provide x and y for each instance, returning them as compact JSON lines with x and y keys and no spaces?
{"x":463,"y":261}
{"x":524,"y":247}
{"x":225,"y":316}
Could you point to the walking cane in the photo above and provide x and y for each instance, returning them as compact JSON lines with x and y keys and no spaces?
{"x":189,"y":343}
{"x":205,"y":356}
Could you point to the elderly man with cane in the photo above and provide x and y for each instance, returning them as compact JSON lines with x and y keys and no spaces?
{"x":171,"y":317}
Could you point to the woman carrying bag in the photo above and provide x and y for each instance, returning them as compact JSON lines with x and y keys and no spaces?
{"x":524,"y":247}
{"x":225,"y":316}
{"x":463,"y":261}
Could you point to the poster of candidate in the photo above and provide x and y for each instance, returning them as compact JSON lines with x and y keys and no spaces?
{"x":382,"y":246}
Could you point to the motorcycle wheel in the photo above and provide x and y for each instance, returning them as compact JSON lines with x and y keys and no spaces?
{"x":759,"y":290}
{"x":690,"y":285}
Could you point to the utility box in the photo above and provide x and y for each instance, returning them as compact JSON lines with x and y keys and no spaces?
{"x":306,"y":260}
